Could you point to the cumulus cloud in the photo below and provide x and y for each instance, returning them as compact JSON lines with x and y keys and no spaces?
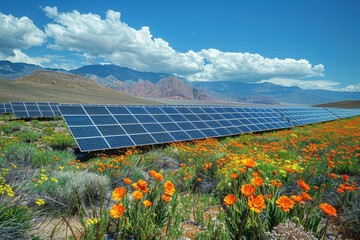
{"x":351,"y":88}
{"x":18,"y":33}
{"x":114,"y":41}
{"x":22,"y":57}
{"x":312,"y":84}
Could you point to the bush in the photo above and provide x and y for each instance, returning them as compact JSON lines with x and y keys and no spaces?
{"x":14,"y":221}
{"x":51,"y":158}
{"x":19,"y":153}
{"x":73,"y":189}
{"x":28,"y":135}
{"x":59,"y":141}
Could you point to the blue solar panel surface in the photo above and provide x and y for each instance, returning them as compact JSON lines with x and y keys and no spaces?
{"x":34,"y":109}
{"x":123,"y":126}
{"x":5,"y":108}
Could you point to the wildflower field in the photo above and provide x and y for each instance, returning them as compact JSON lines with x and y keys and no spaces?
{"x":301,"y":182}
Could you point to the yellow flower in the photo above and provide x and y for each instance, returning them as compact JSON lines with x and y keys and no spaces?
{"x":40,"y":201}
{"x":91,"y":221}
{"x":61,"y":167}
{"x":54,"y":180}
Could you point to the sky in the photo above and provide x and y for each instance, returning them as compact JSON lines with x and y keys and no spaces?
{"x":313,"y":44}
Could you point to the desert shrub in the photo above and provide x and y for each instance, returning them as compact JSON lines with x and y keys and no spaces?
{"x":5,"y":128}
{"x":14,"y":221}
{"x":59,"y":141}
{"x":16,"y":217}
{"x":51,"y":158}
{"x":16,"y":126}
{"x":27,"y":135}
{"x":289,"y":231}
{"x":19,"y":153}
{"x":73,"y":189}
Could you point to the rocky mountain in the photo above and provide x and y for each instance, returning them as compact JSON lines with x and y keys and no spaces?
{"x":49,"y":86}
{"x":237,"y":91}
{"x":164,"y":85}
{"x":113,"y":72}
{"x":171,"y":88}
{"x":11,"y":70}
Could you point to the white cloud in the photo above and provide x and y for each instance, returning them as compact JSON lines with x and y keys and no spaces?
{"x":18,"y":33}
{"x":22,"y":57}
{"x":116,"y":42}
{"x":351,"y":88}
{"x":51,"y":12}
{"x":311,"y":84}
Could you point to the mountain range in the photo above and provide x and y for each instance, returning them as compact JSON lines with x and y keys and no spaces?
{"x":165,"y":85}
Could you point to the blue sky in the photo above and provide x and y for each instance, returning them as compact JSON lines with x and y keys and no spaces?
{"x":306,"y":43}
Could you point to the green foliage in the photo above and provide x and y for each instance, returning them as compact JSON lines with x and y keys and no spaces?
{"x":59,"y":141}
{"x":19,"y":153}
{"x":27,"y":135}
{"x":73,"y":189}
{"x":51,"y":158}
{"x":14,"y":221}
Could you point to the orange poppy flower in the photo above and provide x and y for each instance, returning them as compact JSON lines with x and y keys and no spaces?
{"x":230,"y":199}
{"x":135,"y":186}
{"x":247,"y":190}
{"x":152,"y":173}
{"x":296,"y":198}
{"x":117,"y":210}
{"x":142,"y":185}
{"x":284,"y":203}
{"x":332,"y":175}
{"x":166,"y":197}
{"x":169,"y":188}
{"x":340,"y":190}
{"x":257,"y":203}
{"x":257,"y":181}
{"x":306,"y":196}
{"x":234,"y":175}
{"x":156,"y":175}
{"x":127,"y":181}
{"x":247,"y":162}
{"x":147,"y":203}
{"x":118,"y":193}
{"x":328,"y":209}
{"x":303,"y":185}
{"x":137,"y":195}
{"x":276,"y":183}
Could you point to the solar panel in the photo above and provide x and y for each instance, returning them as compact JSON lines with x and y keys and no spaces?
{"x":344,"y":113}
{"x":305,"y":115}
{"x":34,"y":109}
{"x":5,"y":108}
{"x":123,"y":126}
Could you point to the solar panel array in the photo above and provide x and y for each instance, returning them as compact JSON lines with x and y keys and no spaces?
{"x":344,"y":113}
{"x":100,"y":127}
{"x":35,"y":109}
{"x":305,"y":115}
{"x":106,"y":127}
{"x":5,"y":108}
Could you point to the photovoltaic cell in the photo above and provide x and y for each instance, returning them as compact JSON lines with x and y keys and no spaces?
{"x":33,"y":109}
{"x":105,"y":127}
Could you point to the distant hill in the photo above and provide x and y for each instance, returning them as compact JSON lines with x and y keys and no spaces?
{"x":101,"y":73}
{"x":170,"y":88}
{"x":58,"y":87}
{"x":150,"y":84}
{"x":236,"y":91}
{"x":342,"y":104}
{"x":11,"y":70}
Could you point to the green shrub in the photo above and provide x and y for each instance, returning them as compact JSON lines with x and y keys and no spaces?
{"x":14,"y":221}
{"x":73,"y":189}
{"x":19,"y":153}
{"x":59,"y":141}
{"x":28,"y":135}
{"x":51,"y":158}
{"x":16,"y":126}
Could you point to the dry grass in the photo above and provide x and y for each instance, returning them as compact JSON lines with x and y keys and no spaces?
{"x":342,"y":104}
{"x":44,"y":86}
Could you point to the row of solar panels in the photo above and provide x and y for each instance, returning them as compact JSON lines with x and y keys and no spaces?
{"x":99,"y":127}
